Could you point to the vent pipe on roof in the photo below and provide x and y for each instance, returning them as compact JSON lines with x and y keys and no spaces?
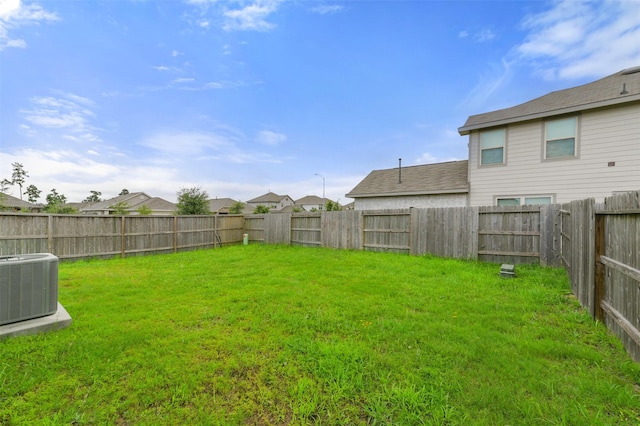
{"x":624,"y":89}
{"x":399,"y":170}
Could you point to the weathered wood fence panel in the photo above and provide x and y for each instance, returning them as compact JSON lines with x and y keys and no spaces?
{"x":143,"y":235}
{"x":617,"y":280}
{"x":386,"y":230}
{"x":254,"y":226}
{"x":306,"y":229}
{"x":277,"y":228}
{"x":446,"y":232}
{"x":230,"y":228}
{"x":72,"y":237}
{"x":23,"y":234}
{"x":509,"y":234}
{"x":76,"y":236}
{"x":342,"y":230}
{"x":550,"y":220}
{"x":578,"y":248}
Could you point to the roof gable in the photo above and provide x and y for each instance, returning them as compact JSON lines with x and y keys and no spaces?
{"x":269,"y":197}
{"x":438,"y":178}
{"x":215,"y":204}
{"x":310,"y":199}
{"x":129,"y":198}
{"x":619,"y":88}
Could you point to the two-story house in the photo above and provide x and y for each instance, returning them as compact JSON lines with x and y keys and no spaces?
{"x":271,"y":200}
{"x":571,"y":144}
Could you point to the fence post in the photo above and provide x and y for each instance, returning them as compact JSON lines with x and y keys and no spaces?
{"x":599,"y":278}
{"x":123,"y":238}
{"x":175,"y":234}
{"x":50,"y":234}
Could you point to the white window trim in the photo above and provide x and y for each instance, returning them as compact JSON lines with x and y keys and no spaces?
{"x":504,"y":148}
{"x":522,"y":198}
{"x":576,"y":147}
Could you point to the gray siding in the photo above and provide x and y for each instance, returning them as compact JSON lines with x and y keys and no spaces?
{"x":605,"y":135}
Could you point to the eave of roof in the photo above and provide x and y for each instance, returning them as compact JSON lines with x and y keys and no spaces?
{"x":465,"y":130}
{"x":620,"y":88}
{"x":407,"y":194}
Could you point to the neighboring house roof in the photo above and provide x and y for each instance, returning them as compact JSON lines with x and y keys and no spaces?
{"x":310,"y":199}
{"x":269,"y":197}
{"x":108,"y":204}
{"x":157,"y":204}
{"x":134,"y":200}
{"x":7,"y":200}
{"x":221,"y":204}
{"x":619,"y":88}
{"x":428,"y":179}
{"x":287,"y":209}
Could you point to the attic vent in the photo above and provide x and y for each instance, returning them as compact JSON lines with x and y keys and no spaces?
{"x":630,"y":71}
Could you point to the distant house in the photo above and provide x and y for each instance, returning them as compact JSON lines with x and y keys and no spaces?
{"x":9,"y":203}
{"x":311,"y":202}
{"x":271,"y":200}
{"x":567,"y":145}
{"x":429,"y":185}
{"x":221,"y":205}
{"x":132,"y":203}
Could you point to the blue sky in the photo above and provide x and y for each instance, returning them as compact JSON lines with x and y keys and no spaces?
{"x":242,"y":97}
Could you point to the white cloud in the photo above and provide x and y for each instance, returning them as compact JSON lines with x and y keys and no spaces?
{"x":485,"y":35}
{"x":480,"y":36}
{"x":328,"y":9}
{"x":490,"y":82}
{"x":252,"y":17}
{"x":428,"y":158}
{"x":14,"y":14}
{"x":184,"y":80}
{"x":186,"y":144}
{"x":69,"y":113}
{"x":582,"y":39}
{"x":267,"y":137}
{"x":219,"y":145}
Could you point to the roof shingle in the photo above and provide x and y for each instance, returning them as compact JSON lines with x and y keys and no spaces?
{"x":439,"y":178}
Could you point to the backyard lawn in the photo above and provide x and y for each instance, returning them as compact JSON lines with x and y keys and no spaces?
{"x":272,"y":335}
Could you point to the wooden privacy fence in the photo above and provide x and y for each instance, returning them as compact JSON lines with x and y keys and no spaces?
{"x":599,"y":248}
{"x":494,"y":234}
{"x":524,"y":234}
{"x":74,"y":236}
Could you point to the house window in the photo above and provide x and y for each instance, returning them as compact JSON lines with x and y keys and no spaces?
{"x":524,"y":200}
{"x":508,"y":201}
{"x":560,"y":138}
{"x":492,"y":147}
{"x":530,"y":201}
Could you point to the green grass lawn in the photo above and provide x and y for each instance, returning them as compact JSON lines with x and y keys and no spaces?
{"x":285,"y":335}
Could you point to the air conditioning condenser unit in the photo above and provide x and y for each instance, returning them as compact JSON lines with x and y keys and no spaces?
{"x":28,"y":287}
